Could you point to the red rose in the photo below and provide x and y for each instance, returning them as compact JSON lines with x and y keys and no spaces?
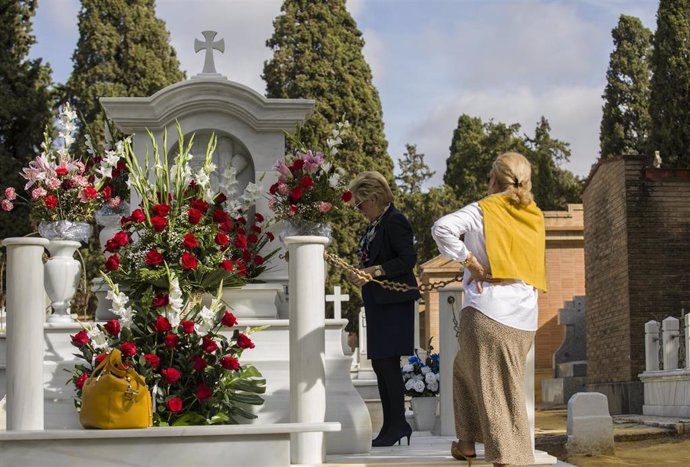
{"x":174,"y":405}
{"x":154,"y":258}
{"x":203,"y":392}
{"x":294,"y":210}
{"x":152,"y":360}
{"x":256,"y":228}
{"x":226,"y":264}
{"x":159,"y":223}
{"x":194,"y":216}
{"x":187,"y":326}
{"x":161,"y":210}
{"x":209,"y":345}
{"x":170,"y":375}
{"x":138,"y":216}
{"x":220,"y":198}
{"x":128,"y":349}
{"x":113,"y":327}
{"x":258,"y":260}
{"x":112,"y":263}
{"x":259,"y":217}
{"x":244,"y":342}
{"x":346,"y":196}
{"x":220,"y":216}
{"x":111,"y":245}
{"x":225,"y":226}
{"x":199,"y":363}
{"x":241,"y":242}
{"x":246,"y":255}
{"x":242,"y":220}
{"x":171,"y":340}
{"x":242,"y":268}
{"x":81,"y":380}
{"x":229,"y":319}
{"x":252,"y":238}
{"x":100,"y":358}
{"x":189,"y":261}
{"x":222,"y":239}
{"x":270,"y":236}
{"x":121,"y":238}
{"x":67,"y":184}
{"x":297,"y":165}
{"x":190,"y":241}
{"x":230,"y":363}
{"x":295,"y":194}
{"x":272,"y":190}
{"x":90,"y":192}
{"x":306,"y":182}
{"x":199,"y":204}
{"x":162,"y":324}
{"x":50,"y":201}
{"x":61,"y":171}
{"x":159,"y":300}
{"x":107,"y":193}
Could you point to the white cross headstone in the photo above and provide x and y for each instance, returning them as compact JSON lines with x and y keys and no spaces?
{"x":337,"y":298}
{"x":208,"y":45}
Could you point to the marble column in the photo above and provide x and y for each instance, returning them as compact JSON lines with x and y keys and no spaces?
{"x":25,"y":318}
{"x":307,"y":306}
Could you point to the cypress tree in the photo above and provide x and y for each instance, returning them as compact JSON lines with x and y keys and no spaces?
{"x":317,"y":54}
{"x":25,"y":109}
{"x":123,"y":50}
{"x":670,"y":92}
{"x":625,"y":120}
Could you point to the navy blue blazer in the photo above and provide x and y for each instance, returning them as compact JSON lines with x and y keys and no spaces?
{"x":393,"y":249}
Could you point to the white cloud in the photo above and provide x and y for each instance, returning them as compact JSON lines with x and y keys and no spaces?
{"x":573,"y":113}
{"x":375,"y":55}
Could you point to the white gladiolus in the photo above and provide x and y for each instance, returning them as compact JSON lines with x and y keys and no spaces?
{"x":98,"y":339}
{"x":207,"y":320}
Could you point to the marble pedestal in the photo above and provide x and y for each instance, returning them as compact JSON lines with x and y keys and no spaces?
{"x":666,"y":393}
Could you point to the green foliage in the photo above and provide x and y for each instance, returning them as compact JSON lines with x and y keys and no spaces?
{"x":670,"y":92}
{"x":317,"y":54}
{"x":625,"y":120}
{"x":422,"y":208}
{"x":476,"y":145}
{"x":26,"y":104}
{"x":123,"y":50}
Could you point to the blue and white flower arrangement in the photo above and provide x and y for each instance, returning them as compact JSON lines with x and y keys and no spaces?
{"x":421,"y":378}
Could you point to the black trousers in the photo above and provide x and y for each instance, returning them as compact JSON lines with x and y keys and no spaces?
{"x":392,"y":392}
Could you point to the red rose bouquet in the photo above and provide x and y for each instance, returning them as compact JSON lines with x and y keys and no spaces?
{"x":191,"y":362}
{"x":310,"y":185}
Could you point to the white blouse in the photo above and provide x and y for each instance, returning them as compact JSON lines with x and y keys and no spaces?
{"x":512,"y":303}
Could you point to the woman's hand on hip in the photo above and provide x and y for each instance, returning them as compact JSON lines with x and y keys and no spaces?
{"x":477,"y":273}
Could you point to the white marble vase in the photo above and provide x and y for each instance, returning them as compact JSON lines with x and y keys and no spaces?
{"x":61,"y":278}
{"x":424,"y":409}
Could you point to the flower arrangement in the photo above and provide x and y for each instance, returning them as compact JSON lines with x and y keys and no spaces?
{"x":183,"y":226}
{"x":61,"y":187}
{"x":188,"y":361}
{"x":422,"y":377}
{"x":184,"y":240}
{"x":310,"y":185}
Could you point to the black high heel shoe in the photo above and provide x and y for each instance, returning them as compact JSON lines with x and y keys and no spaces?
{"x":389,"y":439}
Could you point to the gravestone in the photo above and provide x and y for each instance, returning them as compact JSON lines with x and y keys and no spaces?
{"x":570,"y":360}
{"x":589,"y":425}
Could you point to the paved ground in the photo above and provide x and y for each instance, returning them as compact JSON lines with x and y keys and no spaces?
{"x":639,"y":440}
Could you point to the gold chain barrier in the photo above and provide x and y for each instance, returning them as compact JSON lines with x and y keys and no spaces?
{"x":386,"y":284}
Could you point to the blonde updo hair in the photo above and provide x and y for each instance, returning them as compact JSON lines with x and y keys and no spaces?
{"x":371,"y":184}
{"x":513,"y":176}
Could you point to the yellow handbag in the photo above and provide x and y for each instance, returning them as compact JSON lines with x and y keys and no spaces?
{"x":115,"y":397}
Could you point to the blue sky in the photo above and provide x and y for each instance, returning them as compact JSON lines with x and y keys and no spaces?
{"x":432,"y":60}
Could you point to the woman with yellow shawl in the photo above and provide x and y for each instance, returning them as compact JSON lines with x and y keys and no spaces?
{"x":503,"y":255}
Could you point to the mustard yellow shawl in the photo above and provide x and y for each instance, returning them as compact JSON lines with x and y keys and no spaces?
{"x":515,"y":240}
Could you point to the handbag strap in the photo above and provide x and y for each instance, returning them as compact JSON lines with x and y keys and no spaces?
{"x":112,"y":364}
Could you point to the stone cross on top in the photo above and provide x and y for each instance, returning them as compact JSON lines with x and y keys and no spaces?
{"x":337,"y":298}
{"x":209,"y":44}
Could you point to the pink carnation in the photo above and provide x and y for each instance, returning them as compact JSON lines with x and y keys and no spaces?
{"x":53,"y":183}
{"x":6,"y":205}
{"x":80,"y":181}
{"x":114,"y":202}
{"x":38,"y":193}
{"x":10,"y":193}
{"x":325,"y":206}
{"x":283,"y":189}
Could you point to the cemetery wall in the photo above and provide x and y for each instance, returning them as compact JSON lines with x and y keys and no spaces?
{"x":637,"y":251}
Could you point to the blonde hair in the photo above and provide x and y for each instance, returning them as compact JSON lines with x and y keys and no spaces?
{"x":513,"y":174}
{"x":371,"y":184}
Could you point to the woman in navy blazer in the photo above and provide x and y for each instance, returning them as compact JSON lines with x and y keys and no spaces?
{"x":386,"y":251}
